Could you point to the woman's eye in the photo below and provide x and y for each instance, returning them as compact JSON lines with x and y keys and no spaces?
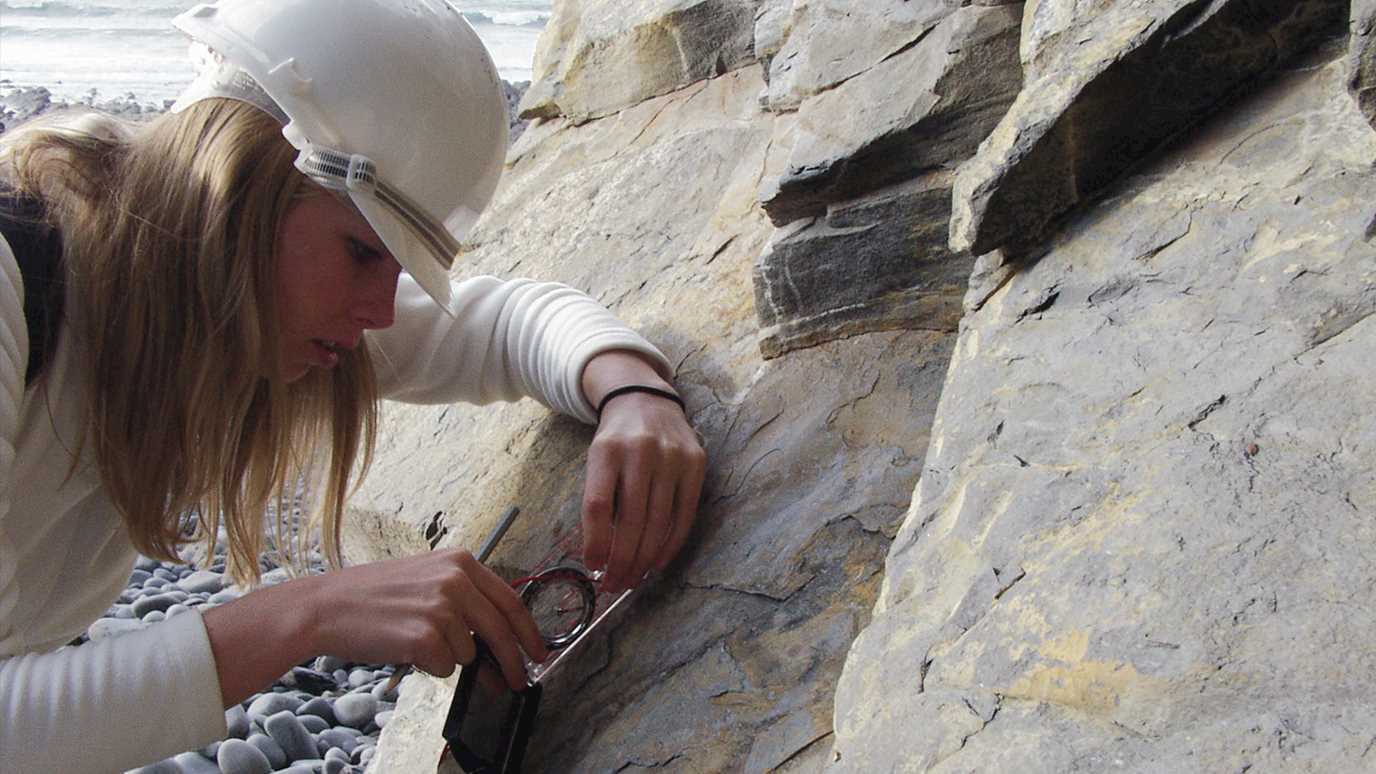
{"x":362,"y":252}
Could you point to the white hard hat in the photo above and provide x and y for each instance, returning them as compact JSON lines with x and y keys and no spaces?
{"x":394,"y":102}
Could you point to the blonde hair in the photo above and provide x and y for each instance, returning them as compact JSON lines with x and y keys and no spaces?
{"x":169,"y":242}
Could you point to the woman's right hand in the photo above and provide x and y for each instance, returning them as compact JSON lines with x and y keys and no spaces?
{"x":422,"y":610}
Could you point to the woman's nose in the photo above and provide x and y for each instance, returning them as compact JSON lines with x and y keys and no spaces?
{"x":376,"y":302}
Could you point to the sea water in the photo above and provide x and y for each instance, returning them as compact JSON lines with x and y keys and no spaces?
{"x":117,"y":48}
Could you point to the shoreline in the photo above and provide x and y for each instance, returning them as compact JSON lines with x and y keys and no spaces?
{"x":21,"y":103}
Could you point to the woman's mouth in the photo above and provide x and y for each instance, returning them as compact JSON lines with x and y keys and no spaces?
{"x":325,"y":353}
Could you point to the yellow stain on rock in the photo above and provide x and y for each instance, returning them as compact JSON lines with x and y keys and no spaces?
{"x":1070,"y":680}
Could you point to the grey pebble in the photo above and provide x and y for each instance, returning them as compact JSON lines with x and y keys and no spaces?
{"x":125,"y":612}
{"x":237,"y":721}
{"x":381,"y":693}
{"x":270,"y":749}
{"x":356,"y":710}
{"x":328,"y":663}
{"x":221,"y":597}
{"x":313,"y":723}
{"x":137,"y":577}
{"x":202,"y":582}
{"x":287,"y":731}
{"x":156,"y":583}
{"x":155,"y":603}
{"x":195,"y":763}
{"x":319,"y":707}
{"x":239,"y":757}
{"x":176,"y":609}
{"x":211,"y":750}
{"x":336,"y":766}
{"x":146,"y":564}
{"x":308,"y":766}
{"x":340,"y":676}
{"x":269,"y":704}
{"x":345,"y":739}
{"x":360,"y":677}
{"x":155,"y":616}
{"x":382,"y":718}
{"x":165,"y":574}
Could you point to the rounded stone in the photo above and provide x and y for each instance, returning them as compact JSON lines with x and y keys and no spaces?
{"x":319,"y":707}
{"x":308,"y":766}
{"x":176,"y":609}
{"x":165,"y":574}
{"x":345,"y":739}
{"x":155,"y":603}
{"x":195,"y":763}
{"x":270,"y":749}
{"x":329,"y":663}
{"x":156,"y":583}
{"x":154,"y":616}
{"x":239,"y":757}
{"x":237,"y":721}
{"x":381,"y":693}
{"x":360,"y":677}
{"x":355,"y":710}
{"x":137,"y":577}
{"x":286,"y":730}
{"x":313,"y":723}
{"x":202,"y":582}
{"x":335,"y":766}
{"x":221,"y":597}
{"x":272,"y":703}
{"x":382,"y":718}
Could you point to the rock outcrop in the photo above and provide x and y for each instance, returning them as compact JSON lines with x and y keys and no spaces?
{"x":1094,"y":278}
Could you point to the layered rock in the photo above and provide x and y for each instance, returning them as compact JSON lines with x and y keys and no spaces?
{"x":1108,"y":87}
{"x":865,"y":198}
{"x":1139,"y":541}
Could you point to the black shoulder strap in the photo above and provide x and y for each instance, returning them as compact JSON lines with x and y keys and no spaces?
{"x":38,"y":248}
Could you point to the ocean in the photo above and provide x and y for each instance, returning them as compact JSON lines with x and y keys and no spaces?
{"x":117,"y":48}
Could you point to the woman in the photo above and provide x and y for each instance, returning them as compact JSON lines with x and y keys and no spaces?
{"x":242,"y":281}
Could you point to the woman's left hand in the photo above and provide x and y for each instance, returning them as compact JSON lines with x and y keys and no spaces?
{"x":645,"y":474}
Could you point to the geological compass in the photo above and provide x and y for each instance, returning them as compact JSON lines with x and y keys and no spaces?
{"x":489,"y":725}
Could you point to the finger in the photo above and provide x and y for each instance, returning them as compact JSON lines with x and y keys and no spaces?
{"x":632,"y":500}
{"x":686,"y":497}
{"x":659,"y":522}
{"x":459,"y":650}
{"x":490,"y":626}
{"x":516,"y":615}
{"x":599,"y":502}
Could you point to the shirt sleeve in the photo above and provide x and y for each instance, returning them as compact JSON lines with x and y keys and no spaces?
{"x":507,"y":340}
{"x":111,"y":705}
{"x":103,"y":706}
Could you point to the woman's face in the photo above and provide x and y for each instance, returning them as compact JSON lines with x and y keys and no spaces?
{"x":335,"y":279}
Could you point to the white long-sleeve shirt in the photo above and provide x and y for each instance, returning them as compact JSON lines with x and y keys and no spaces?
{"x":65,"y":555}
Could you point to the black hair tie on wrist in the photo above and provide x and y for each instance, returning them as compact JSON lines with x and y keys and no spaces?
{"x":645,"y":388}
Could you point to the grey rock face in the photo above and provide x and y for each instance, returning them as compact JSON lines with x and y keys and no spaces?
{"x":1110,"y":90}
{"x":878,"y":263}
{"x":1140,"y":540}
{"x":598,"y":56}
{"x":927,"y":106}
{"x":1362,"y":56}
